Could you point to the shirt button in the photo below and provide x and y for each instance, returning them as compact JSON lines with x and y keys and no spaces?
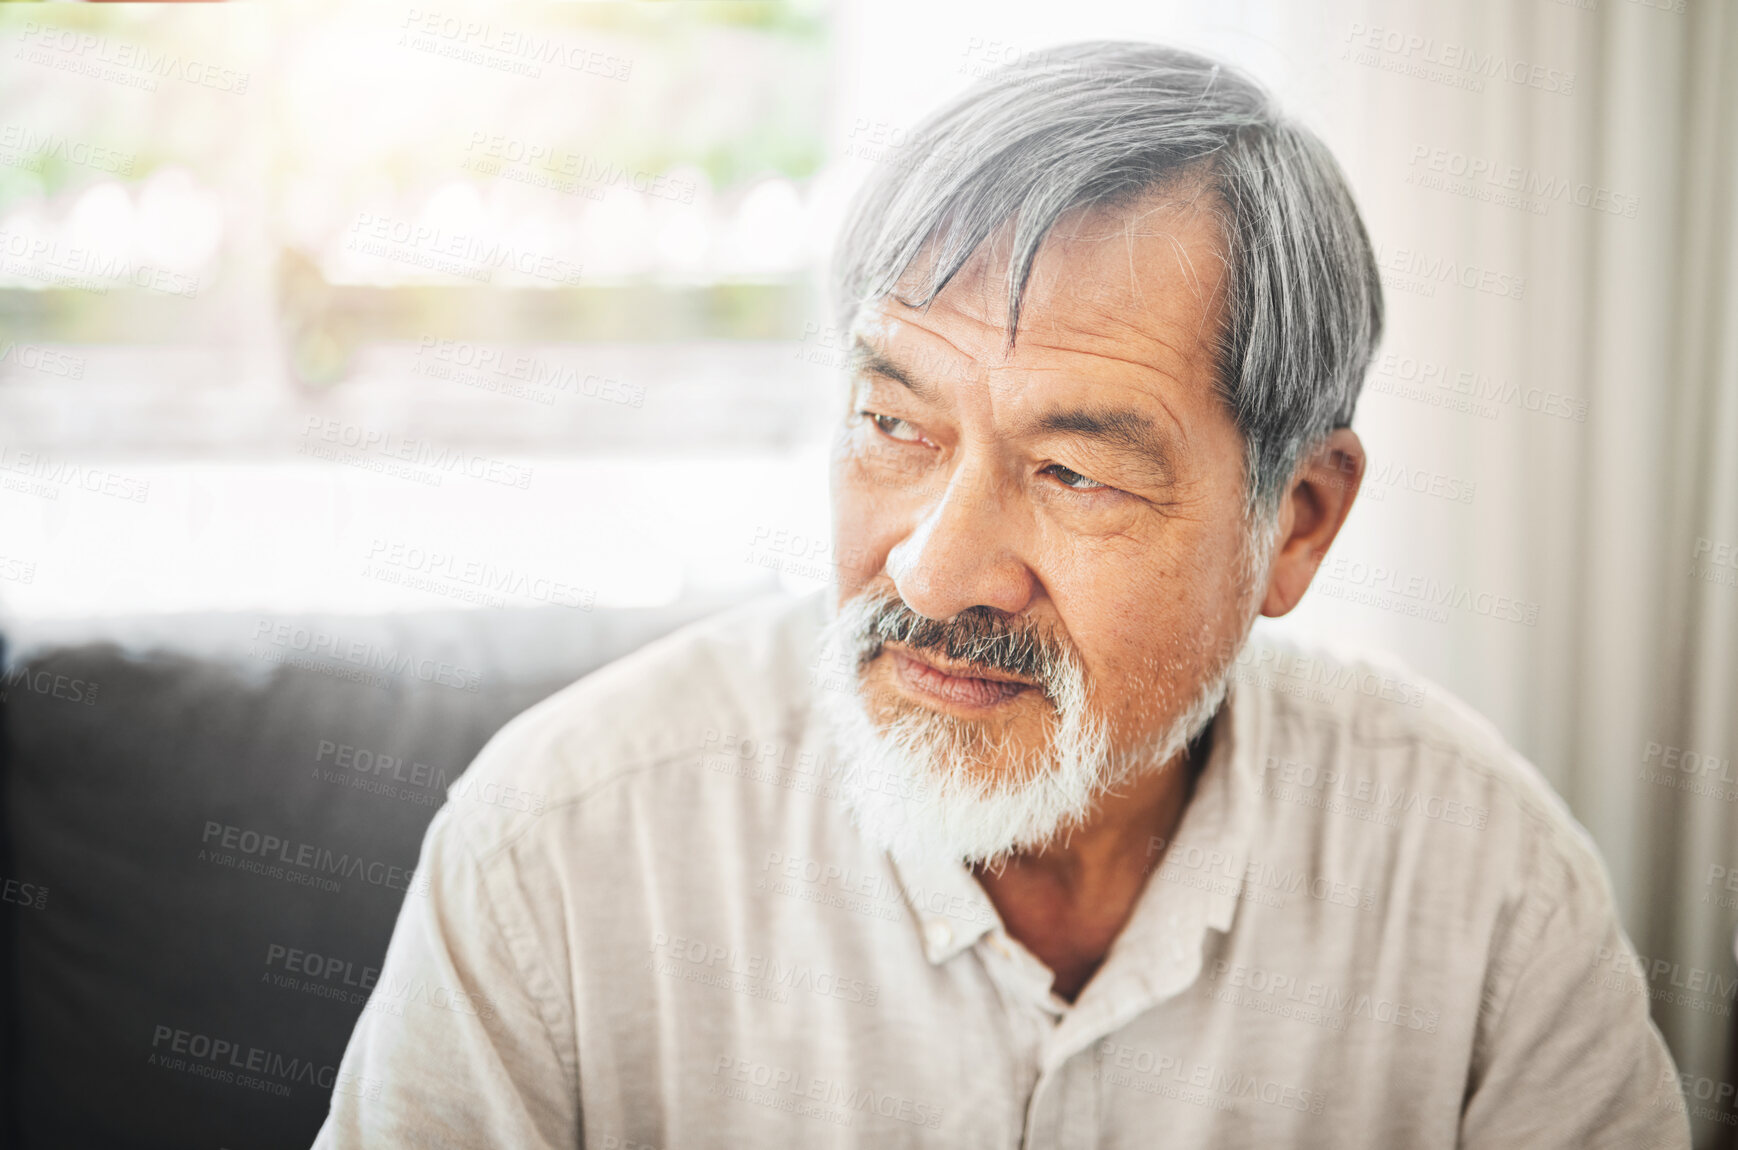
{"x":939,"y":933}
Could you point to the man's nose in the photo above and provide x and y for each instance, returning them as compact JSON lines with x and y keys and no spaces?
{"x":963,"y":551}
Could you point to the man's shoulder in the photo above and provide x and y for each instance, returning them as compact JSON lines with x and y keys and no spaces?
{"x":1358,"y":732}
{"x":741,"y":674}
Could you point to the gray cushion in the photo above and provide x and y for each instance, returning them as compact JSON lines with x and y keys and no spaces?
{"x":148,"y":762}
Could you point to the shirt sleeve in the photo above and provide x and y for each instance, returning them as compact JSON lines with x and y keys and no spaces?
{"x":1567,"y":1055}
{"x":457,"y":1046}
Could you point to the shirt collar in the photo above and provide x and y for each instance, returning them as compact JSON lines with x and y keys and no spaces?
{"x":951,"y":908}
{"x":1199,"y":875}
{"x":1196,"y":886}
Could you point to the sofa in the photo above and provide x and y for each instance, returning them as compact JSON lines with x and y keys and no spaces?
{"x":207,"y":826}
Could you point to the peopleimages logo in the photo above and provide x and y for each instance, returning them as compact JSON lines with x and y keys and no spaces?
{"x":1511,"y":185}
{"x":259,"y":849}
{"x":1290,"y":672}
{"x":20,"y":893}
{"x":84,"y":268}
{"x":327,"y":968}
{"x":1266,"y":883}
{"x":518,"y":375}
{"x":778,"y":1084}
{"x":44,"y":360}
{"x":317,"y":644}
{"x":31,"y":148}
{"x":550,"y":165}
{"x":764,"y":968}
{"x":61,"y":474}
{"x":225,"y":1060}
{"x":332,"y":438}
{"x":1442,"y":59}
{"x":505,"y":49}
{"x":1419,"y":272}
{"x":1378,"y":793}
{"x":414,"y":565}
{"x":1334,"y":1000}
{"x":1422,"y":590}
{"x":458,"y":253}
{"x":48,"y":683}
{"x":1126,"y":1065}
{"x":136,"y":65}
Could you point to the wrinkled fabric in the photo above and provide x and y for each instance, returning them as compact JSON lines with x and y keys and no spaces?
{"x":1375,"y":926}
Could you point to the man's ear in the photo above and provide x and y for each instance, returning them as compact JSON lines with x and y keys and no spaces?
{"x":1310,"y":515}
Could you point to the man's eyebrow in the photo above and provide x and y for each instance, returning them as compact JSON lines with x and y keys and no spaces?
{"x":1122,"y":429}
{"x":866,"y":359}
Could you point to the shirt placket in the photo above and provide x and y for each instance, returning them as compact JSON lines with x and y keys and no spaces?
{"x":1158,"y":955}
{"x":1066,"y":1111}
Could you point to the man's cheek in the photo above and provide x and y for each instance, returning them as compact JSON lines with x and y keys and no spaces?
{"x":1151,"y":632}
{"x":853,"y":568}
{"x":867,"y":524}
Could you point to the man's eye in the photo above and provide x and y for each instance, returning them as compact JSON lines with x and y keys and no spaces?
{"x":892,"y":427}
{"x":1073,"y":480}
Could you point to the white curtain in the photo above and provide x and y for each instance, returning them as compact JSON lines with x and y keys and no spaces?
{"x":1604,"y":453}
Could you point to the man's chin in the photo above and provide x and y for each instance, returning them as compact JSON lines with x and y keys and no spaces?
{"x":925,"y":784}
{"x":954,"y":752}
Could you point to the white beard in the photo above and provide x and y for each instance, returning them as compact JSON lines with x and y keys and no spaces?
{"x":915,"y":788}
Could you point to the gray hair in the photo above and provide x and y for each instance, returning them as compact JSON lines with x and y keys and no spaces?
{"x":1097,"y":124}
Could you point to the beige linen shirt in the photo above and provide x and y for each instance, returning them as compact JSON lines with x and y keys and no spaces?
{"x":1375,"y":926}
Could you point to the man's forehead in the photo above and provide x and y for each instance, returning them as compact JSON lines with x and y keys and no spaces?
{"x":1139,"y":284}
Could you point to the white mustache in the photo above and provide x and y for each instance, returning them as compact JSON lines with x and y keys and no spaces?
{"x":876,"y":618}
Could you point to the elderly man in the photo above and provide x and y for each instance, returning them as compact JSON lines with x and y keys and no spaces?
{"x":1018,"y":839}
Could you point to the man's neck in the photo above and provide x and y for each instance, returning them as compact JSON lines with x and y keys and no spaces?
{"x":1068,"y":902}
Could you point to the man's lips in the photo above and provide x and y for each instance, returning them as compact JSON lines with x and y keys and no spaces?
{"x":967,"y":686}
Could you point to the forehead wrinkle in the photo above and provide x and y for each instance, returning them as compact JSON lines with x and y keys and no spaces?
{"x":1147,"y":369}
{"x":1108,"y":326}
{"x":972,"y":298}
{"x":864,"y":358}
{"x":1103,"y":320}
{"x":914,"y":317}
